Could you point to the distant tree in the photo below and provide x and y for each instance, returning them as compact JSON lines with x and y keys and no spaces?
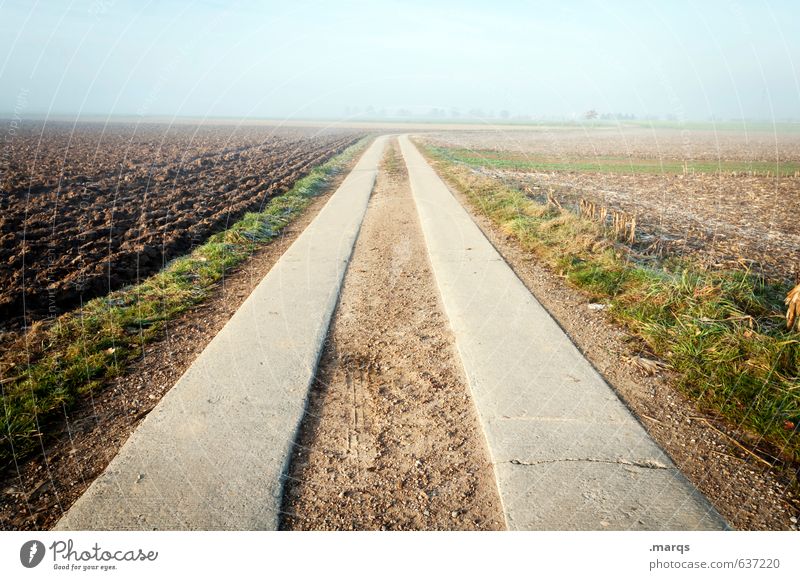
{"x":590,"y":115}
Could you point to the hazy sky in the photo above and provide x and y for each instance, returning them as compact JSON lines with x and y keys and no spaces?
{"x":688,"y":59}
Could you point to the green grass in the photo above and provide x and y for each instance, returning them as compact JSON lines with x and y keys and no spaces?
{"x":58,"y":363}
{"x":723,"y":332}
{"x":604,"y":164}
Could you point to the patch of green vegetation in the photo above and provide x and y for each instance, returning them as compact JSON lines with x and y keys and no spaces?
{"x":722,"y":331}
{"x":605,"y":164}
{"x":58,"y":363}
{"x":392,"y":162}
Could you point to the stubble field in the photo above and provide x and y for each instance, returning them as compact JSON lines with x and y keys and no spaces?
{"x":728,"y":198}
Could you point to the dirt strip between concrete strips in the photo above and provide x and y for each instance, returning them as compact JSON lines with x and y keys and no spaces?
{"x":391,"y":440}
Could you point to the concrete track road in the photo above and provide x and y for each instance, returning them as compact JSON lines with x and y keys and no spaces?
{"x":566,"y":453}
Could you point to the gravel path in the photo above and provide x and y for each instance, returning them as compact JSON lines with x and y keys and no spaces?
{"x":391,"y":439}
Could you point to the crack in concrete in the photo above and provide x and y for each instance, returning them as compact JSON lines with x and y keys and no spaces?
{"x":646,"y":464}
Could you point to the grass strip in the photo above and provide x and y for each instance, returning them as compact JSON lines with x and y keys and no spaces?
{"x":60,"y":361}
{"x":518,"y":161}
{"x":723,"y":332}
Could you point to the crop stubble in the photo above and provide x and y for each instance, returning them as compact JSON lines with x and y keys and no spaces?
{"x":724,"y":220}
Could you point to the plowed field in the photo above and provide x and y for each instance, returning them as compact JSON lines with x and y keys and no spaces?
{"x":90,"y":208}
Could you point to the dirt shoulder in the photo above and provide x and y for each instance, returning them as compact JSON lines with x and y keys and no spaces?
{"x":744,"y":491}
{"x":391,"y":439}
{"x":36,"y":493}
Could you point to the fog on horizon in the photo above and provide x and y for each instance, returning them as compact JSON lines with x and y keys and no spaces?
{"x":678,"y":60}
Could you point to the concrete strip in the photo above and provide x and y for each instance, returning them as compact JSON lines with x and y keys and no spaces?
{"x":212,"y":455}
{"x":568,"y":454}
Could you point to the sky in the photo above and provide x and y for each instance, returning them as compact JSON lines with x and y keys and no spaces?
{"x":681,"y":59}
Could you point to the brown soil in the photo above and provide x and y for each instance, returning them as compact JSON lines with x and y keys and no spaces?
{"x":391,"y":439}
{"x":746,"y":492}
{"x":84,"y":212}
{"x":36,"y":493}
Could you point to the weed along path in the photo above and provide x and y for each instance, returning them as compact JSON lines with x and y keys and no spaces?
{"x":391,"y":439}
{"x":567,"y":453}
{"x":211,"y":455}
{"x":391,"y":372}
